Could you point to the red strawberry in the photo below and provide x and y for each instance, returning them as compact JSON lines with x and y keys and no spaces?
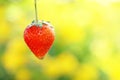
{"x":39,"y":38}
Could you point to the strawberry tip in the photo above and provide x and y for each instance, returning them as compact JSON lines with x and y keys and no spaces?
{"x":41,"y":58}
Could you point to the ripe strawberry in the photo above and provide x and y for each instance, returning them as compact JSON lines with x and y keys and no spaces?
{"x":39,"y":37}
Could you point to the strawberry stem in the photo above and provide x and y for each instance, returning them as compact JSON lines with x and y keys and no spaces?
{"x":36,"y":16}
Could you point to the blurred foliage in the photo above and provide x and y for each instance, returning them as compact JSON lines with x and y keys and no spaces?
{"x":87,"y":44}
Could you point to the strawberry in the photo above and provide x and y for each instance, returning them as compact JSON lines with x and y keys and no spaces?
{"x":39,"y":37}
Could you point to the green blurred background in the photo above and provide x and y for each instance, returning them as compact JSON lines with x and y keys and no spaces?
{"x":87,"y":44}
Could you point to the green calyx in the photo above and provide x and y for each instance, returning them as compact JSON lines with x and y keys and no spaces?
{"x":37,"y":23}
{"x":40,"y":23}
